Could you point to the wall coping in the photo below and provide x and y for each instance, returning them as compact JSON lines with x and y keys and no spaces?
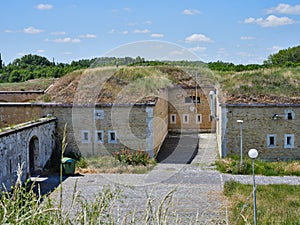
{"x":22,"y":92}
{"x":22,"y":126}
{"x":77,"y":105}
{"x":261,"y":105}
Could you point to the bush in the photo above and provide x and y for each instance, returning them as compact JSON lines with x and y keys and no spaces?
{"x":134,"y":158}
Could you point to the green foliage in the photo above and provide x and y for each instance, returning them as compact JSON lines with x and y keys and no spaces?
{"x":232,"y":165}
{"x":230,"y":67}
{"x":286,"y":57}
{"x":276,"y":204}
{"x":134,"y":158}
{"x":81,"y":163}
{"x":34,"y":66}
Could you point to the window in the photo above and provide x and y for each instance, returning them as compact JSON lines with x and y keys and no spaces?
{"x":192,"y":99}
{"x":188,"y":99}
{"x":289,"y":115}
{"x":185,"y":118}
{"x":198,"y":118}
{"x":85,"y":136}
{"x":99,"y":114}
{"x":112,"y":137}
{"x":271,"y":140}
{"x":288,"y":141}
{"x":173,"y":118}
{"x":99,"y":136}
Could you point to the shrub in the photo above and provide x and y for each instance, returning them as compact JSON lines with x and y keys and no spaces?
{"x":134,"y":158}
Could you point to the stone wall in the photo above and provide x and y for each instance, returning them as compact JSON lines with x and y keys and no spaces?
{"x":30,"y":144}
{"x":159,"y":121}
{"x":272,"y":129}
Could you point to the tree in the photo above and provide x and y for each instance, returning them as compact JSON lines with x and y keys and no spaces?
{"x":285,"y":57}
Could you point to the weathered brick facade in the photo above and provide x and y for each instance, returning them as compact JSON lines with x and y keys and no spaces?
{"x":189,"y":110}
{"x":272,"y":129}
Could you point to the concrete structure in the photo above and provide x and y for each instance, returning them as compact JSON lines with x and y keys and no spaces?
{"x":30,"y":144}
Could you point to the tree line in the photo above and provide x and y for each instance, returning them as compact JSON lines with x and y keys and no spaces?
{"x":34,"y":66}
{"x":284,"y":58}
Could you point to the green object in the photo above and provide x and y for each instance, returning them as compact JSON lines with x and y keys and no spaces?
{"x":68,"y":166}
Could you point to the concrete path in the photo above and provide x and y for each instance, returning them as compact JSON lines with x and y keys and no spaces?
{"x":198,"y":197}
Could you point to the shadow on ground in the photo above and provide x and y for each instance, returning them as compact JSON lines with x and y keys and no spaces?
{"x":178,"y":148}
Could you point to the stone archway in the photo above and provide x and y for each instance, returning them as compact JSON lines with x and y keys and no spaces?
{"x":33,"y":154}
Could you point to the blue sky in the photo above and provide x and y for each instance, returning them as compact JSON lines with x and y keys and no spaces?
{"x":231,"y":31}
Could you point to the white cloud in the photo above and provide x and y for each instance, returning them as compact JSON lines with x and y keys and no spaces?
{"x":8,"y":31}
{"x":157,"y":35}
{"x":246,"y":38}
{"x":87,"y":36}
{"x":131,"y":24}
{"x":44,"y":6}
{"x":270,"y":21}
{"x":58,"y":33}
{"x":32,"y":30}
{"x":40,"y":51}
{"x":112,"y":31}
{"x":274,"y":48}
{"x":127,"y":9}
{"x":190,"y":12}
{"x":285,"y":9}
{"x":125,"y":32}
{"x":198,"y":38}
{"x":148,"y":22}
{"x":198,"y":49}
{"x":67,"y":53}
{"x":66,"y":40}
{"x":145,"y":31}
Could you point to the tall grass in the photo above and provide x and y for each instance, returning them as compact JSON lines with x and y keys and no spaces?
{"x":232,"y":165}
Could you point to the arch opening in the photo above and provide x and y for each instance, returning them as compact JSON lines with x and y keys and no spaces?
{"x":33,"y":154}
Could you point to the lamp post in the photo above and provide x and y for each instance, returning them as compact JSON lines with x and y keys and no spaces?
{"x":253,"y":153}
{"x":241,"y":140}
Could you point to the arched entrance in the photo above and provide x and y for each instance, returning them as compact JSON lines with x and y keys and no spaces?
{"x":33,"y":154}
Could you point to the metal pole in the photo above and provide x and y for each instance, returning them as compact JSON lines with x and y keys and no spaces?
{"x":254,"y":193}
{"x":241,"y":143}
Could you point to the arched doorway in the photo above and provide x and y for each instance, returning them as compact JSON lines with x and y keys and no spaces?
{"x":33,"y":154}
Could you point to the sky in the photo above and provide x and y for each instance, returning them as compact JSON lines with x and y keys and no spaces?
{"x":242,"y":32}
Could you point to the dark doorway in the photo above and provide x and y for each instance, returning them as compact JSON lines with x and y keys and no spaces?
{"x":33,"y":154}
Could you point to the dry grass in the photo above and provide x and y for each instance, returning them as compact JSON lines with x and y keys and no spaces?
{"x":35,"y":84}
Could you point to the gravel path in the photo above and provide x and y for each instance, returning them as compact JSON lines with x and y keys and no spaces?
{"x":198,"y":196}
